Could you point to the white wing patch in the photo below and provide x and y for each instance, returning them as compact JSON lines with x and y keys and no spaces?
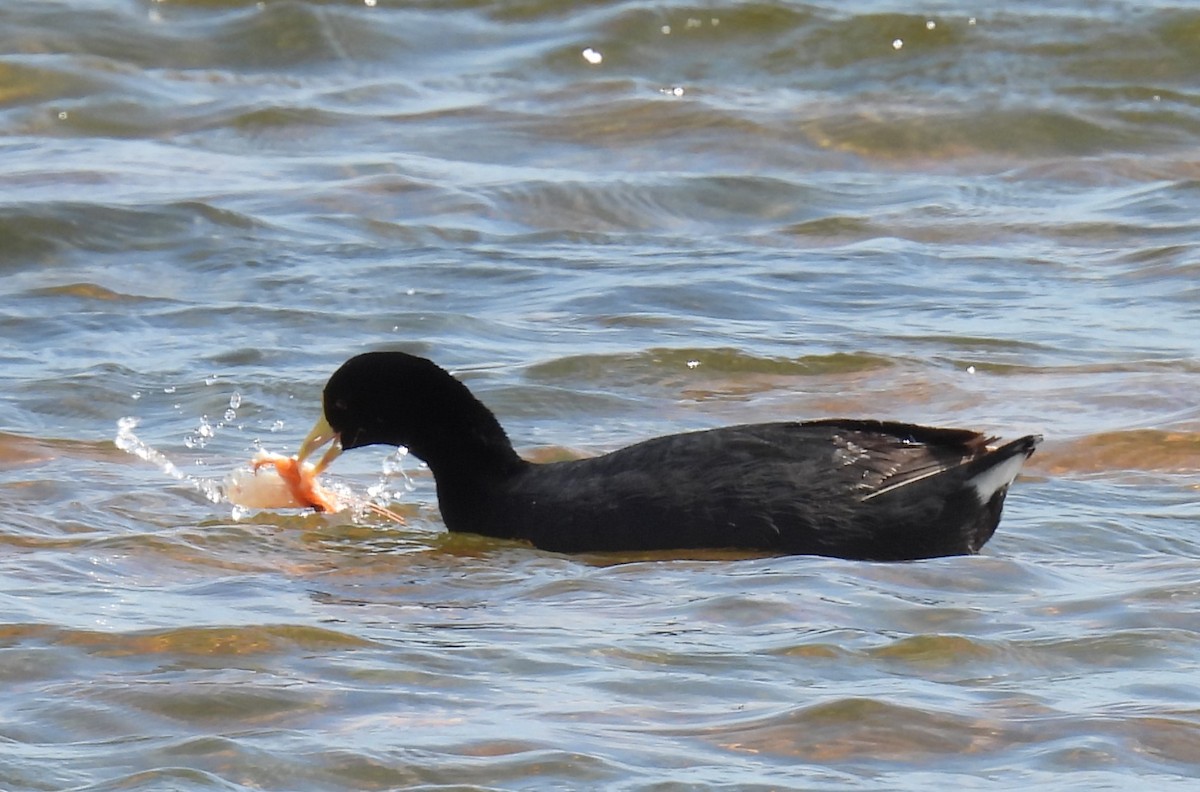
{"x":994,"y":479}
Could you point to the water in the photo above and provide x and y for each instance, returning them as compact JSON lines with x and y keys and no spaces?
{"x":613,"y":221}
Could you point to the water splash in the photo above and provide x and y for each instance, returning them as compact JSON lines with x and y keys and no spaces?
{"x":217,"y":490}
{"x":130,"y":443}
{"x":391,"y":469}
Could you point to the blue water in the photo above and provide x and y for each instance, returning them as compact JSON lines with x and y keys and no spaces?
{"x":612,"y":221}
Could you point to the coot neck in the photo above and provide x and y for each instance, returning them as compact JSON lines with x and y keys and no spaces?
{"x":462,"y":458}
{"x":462,"y":442}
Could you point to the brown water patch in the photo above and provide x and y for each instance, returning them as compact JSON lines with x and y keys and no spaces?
{"x":857,"y":728}
{"x":554,"y":453}
{"x":1135,"y":449}
{"x":941,"y":651}
{"x":85,"y":291}
{"x":215,"y":641}
{"x":17,"y":451}
{"x":683,"y":554}
{"x":654,"y":364}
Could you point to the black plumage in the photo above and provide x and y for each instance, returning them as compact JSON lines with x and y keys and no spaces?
{"x":840,"y":487}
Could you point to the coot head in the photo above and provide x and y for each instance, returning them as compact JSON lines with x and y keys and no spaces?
{"x":397,"y":399}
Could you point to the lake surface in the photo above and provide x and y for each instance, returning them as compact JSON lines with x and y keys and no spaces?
{"x":613,"y":220}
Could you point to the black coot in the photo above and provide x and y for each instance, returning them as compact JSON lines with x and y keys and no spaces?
{"x":840,"y":487}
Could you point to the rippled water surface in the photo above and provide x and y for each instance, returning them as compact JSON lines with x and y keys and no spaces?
{"x":613,"y":220}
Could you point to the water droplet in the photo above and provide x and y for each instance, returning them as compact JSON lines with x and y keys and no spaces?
{"x":897,"y":43}
{"x":666,"y":30}
{"x":235,"y":400}
{"x":970,"y":369}
{"x":930,"y":24}
{"x":169,"y":389}
{"x":693,"y":23}
{"x":201,"y":435}
{"x":676,"y":90}
{"x":230,"y":415}
{"x":392,"y":466}
{"x":62,"y":115}
{"x":395,"y":463}
{"x":592,"y":56}
{"x":211,"y":379}
{"x":971,"y":21}
{"x":693,"y":364}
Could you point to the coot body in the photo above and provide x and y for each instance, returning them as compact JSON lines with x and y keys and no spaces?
{"x":857,"y":489}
